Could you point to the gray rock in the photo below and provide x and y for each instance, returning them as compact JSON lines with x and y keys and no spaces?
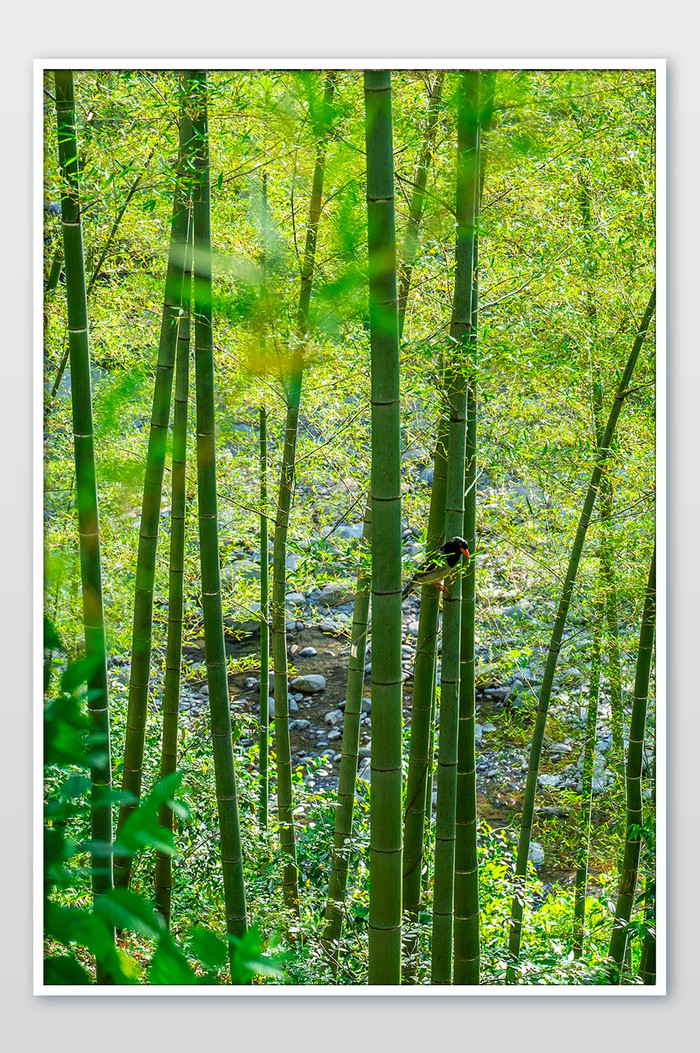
{"x":292,"y":562}
{"x":308,"y":652}
{"x":412,"y":628}
{"x":299,"y":725}
{"x":295,"y":599}
{"x":536,"y":853}
{"x":364,"y":771}
{"x":309,"y":684}
{"x":366,"y":705}
{"x":350,"y":531}
{"x":332,"y":596}
{"x":548,"y":780}
{"x":334,"y":716}
{"x":333,"y":735}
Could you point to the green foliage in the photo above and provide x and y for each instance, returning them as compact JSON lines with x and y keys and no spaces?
{"x":71,"y":931}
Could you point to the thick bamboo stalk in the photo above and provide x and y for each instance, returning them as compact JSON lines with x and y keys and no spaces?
{"x":151,"y":503}
{"x":342,"y":833}
{"x":635,"y":757}
{"x":215,"y":652}
{"x":558,"y":627}
{"x":86,"y":491}
{"x":173,"y":653}
{"x":418,"y":779}
{"x":290,"y":877}
{"x":476,"y":115}
{"x":457,"y":366}
{"x":387,"y":681}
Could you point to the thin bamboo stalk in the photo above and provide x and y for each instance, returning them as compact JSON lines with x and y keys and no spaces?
{"x":173,"y":653}
{"x":264,"y":631}
{"x":151,"y":503}
{"x":409,"y":247}
{"x":290,"y":877}
{"x":584,"y":833}
{"x":630,"y":862}
{"x":215,"y":651}
{"x":558,"y":627}
{"x":342,"y":833}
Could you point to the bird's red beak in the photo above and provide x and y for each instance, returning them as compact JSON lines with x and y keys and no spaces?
{"x":465,"y":551}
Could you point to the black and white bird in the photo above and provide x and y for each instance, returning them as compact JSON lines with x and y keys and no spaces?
{"x":436,"y":570}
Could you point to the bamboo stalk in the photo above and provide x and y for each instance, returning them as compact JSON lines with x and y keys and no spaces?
{"x":290,"y":877}
{"x":630,"y":862}
{"x":173,"y":653}
{"x":342,"y":833}
{"x":386,"y":806}
{"x":409,"y":247}
{"x":457,"y":364}
{"x":215,"y":652}
{"x":558,"y":627}
{"x":584,"y":833}
{"x":476,"y":119}
{"x":264,"y":631}
{"x":151,"y":503}
{"x":86,"y":495}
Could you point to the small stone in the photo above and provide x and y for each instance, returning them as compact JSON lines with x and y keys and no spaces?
{"x":299,"y":725}
{"x":308,"y":652}
{"x":364,"y":771}
{"x":350,"y":531}
{"x":334,"y":716}
{"x":333,"y":735}
{"x":295,"y":599}
{"x":536,"y":853}
{"x":309,"y":684}
{"x":548,"y":780}
{"x":366,"y":705}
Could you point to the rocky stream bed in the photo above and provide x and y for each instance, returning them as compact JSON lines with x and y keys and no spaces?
{"x":318,"y":628}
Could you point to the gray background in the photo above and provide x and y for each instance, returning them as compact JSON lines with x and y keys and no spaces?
{"x":362,"y":28}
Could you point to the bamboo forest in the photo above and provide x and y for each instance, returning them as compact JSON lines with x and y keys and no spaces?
{"x":349,"y":476}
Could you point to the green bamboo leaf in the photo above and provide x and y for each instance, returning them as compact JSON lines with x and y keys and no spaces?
{"x":65,"y":969}
{"x":169,"y":965}
{"x":208,"y":948}
{"x":127,"y":910}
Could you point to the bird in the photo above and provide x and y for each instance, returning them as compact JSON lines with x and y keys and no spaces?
{"x":437,"y":569}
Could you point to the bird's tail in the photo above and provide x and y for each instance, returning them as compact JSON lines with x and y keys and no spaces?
{"x":407,"y":588}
